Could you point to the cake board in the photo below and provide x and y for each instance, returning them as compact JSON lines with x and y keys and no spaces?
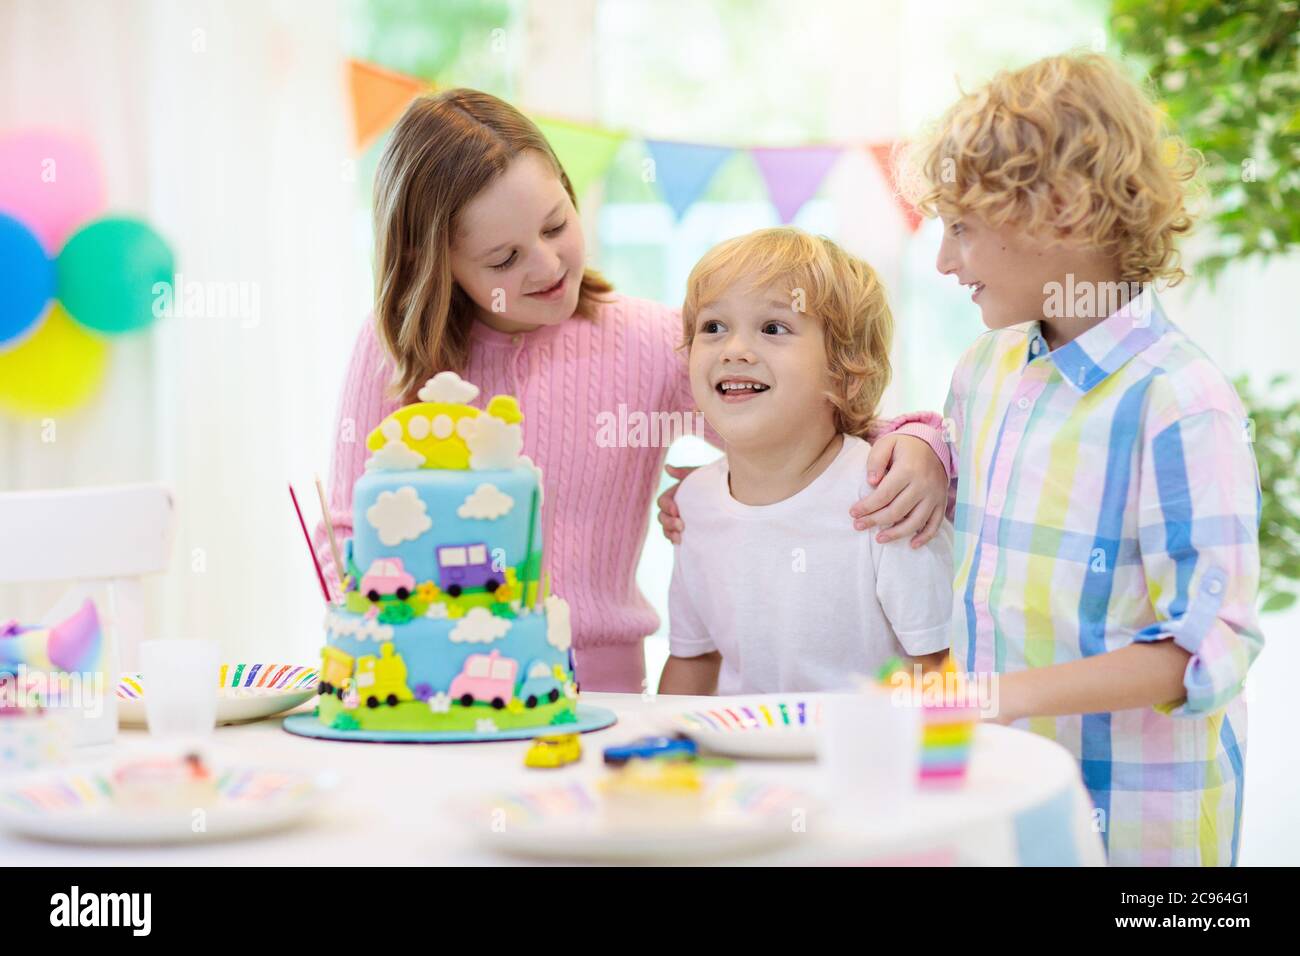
{"x":589,"y":719}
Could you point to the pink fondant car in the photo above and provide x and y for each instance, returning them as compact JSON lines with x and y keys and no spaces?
{"x":486,"y":677}
{"x":387,"y":576}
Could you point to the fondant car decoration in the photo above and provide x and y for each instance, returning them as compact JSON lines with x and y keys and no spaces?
{"x":485,"y":677}
{"x":462,"y":566}
{"x":382,"y":679}
{"x":387,"y":576}
{"x":553,"y":751}
{"x":542,"y":683}
{"x":335,"y":672}
{"x":673,"y":748}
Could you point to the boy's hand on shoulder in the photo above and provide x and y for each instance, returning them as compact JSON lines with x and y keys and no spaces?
{"x":670,"y":519}
{"x":911,"y":494}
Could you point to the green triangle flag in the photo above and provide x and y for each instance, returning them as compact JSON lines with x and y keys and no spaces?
{"x":585,"y":152}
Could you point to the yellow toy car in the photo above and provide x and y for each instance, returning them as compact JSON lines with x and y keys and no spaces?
{"x":553,"y":751}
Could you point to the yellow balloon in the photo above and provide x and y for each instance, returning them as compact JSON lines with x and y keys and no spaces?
{"x":55,"y":369}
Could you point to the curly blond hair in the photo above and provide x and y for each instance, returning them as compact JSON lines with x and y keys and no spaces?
{"x":1067,"y":147}
{"x":840,"y":290}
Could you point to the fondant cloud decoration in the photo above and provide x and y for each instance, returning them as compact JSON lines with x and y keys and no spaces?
{"x":448,"y":388}
{"x":486,"y":502}
{"x":493,"y":443}
{"x":559,"y":632}
{"x":396,"y":455}
{"x":399,"y":516}
{"x":479,"y":626}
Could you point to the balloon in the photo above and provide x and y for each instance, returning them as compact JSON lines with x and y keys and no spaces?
{"x":57,"y":368}
{"x":107,"y":274}
{"x":51,"y":182}
{"x":26,"y":280}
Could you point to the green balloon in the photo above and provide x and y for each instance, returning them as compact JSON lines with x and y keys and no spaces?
{"x":108,"y":271}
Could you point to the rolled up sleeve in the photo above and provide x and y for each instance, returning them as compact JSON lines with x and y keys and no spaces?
{"x":1199,"y":538}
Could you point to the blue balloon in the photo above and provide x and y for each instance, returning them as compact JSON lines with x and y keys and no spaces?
{"x":27,"y":277}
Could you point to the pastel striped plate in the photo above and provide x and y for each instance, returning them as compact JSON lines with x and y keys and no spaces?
{"x":571,"y":822}
{"x":78,"y":805}
{"x":781,"y":726}
{"x":244,"y":692}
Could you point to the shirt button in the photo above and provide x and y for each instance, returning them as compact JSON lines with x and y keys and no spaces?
{"x":1023,"y":404}
{"x":517,"y":338}
{"x":1214,"y":585}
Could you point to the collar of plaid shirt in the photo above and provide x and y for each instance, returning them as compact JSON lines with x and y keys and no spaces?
{"x":1088,"y":360}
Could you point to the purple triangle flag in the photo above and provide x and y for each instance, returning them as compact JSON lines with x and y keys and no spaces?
{"x":794,"y":175}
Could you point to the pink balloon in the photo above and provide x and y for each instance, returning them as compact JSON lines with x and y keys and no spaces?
{"x":50,"y":182}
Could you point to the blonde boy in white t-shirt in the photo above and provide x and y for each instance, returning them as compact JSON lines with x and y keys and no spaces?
{"x":773,"y":589}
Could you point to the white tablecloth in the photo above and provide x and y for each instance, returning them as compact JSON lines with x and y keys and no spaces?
{"x":1023,"y":802}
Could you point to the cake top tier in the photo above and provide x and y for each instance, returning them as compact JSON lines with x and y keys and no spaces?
{"x":443,"y":431}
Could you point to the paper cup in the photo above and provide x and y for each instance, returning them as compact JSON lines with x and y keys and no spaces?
{"x":180,"y":687}
{"x":869,"y":752}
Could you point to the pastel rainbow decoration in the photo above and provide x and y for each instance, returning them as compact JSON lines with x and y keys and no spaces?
{"x":250,"y":677}
{"x":794,"y":714}
{"x":73,"y":645}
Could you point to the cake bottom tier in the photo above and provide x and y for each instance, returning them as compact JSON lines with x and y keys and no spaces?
{"x":479,"y":673}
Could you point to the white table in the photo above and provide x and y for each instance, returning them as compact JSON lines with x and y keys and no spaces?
{"x":1023,"y":801}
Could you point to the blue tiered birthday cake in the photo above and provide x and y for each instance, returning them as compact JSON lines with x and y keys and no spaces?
{"x":446,"y":623}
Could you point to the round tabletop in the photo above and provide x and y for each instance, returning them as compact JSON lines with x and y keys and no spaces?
{"x":1023,"y":802}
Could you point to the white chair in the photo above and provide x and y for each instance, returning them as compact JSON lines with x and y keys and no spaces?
{"x":92,"y":537}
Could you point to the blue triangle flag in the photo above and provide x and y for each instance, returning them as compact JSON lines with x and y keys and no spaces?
{"x":683,"y":170}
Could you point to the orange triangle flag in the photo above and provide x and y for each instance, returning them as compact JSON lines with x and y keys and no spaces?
{"x":883,"y":154}
{"x":379,"y":97}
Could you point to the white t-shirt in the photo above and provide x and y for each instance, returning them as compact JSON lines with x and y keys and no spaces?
{"x":791,"y":595}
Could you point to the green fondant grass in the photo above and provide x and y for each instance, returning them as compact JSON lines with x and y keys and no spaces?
{"x":416,"y":716}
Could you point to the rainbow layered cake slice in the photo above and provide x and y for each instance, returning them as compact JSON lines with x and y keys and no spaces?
{"x":446,"y":622}
{"x":949,"y":714}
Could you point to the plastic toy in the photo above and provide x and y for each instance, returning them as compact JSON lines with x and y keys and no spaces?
{"x":553,"y":751}
{"x":671,"y":748}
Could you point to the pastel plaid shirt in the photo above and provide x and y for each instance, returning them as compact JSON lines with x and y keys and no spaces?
{"x":1107,"y":493}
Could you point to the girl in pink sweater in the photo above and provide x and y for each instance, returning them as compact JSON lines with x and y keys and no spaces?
{"x":480,"y":269}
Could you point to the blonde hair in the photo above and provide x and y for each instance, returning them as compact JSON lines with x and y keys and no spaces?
{"x":1068,"y":146}
{"x":446,"y":149}
{"x":840,"y":290}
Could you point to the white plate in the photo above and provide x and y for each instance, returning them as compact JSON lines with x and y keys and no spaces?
{"x":78,"y":806}
{"x":569,"y":823}
{"x":780,"y":726}
{"x":244,"y":692}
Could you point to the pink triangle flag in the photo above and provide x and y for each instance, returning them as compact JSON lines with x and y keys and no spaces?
{"x":793,"y":175}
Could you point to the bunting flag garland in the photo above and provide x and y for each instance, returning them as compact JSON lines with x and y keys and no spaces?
{"x":585,"y":152}
{"x":794,"y":175}
{"x":883,"y":154}
{"x":379,"y":97}
{"x":681,"y":171}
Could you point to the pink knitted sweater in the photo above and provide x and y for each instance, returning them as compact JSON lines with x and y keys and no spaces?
{"x":576,"y":382}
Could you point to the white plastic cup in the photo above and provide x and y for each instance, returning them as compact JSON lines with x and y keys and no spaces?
{"x":870,"y":753}
{"x":180,"y":687}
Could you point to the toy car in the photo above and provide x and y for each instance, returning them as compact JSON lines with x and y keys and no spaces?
{"x":672,"y":748}
{"x":387,"y":576}
{"x":553,"y":751}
